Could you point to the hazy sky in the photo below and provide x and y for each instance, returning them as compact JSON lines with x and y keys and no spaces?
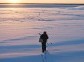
{"x":41,"y":1}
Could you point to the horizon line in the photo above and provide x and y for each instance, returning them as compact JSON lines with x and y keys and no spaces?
{"x":45,"y":3}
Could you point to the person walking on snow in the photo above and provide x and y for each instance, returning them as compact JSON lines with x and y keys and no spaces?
{"x":43,"y":40}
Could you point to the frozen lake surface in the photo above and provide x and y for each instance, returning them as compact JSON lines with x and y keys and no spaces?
{"x":20,"y":28}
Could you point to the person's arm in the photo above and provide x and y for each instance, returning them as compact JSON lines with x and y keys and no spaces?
{"x":47,"y":37}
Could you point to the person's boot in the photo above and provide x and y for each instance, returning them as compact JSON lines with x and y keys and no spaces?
{"x":43,"y":51}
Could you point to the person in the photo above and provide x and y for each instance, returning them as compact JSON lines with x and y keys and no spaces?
{"x":44,"y":38}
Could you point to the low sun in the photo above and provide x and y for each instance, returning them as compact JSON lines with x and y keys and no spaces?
{"x":14,"y":1}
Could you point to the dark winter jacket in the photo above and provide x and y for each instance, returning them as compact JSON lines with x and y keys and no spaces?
{"x":44,"y":37}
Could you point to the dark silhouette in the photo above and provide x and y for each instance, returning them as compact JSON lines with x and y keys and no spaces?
{"x":43,"y":40}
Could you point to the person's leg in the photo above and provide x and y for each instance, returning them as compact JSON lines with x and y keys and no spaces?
{"x":43,"y":47}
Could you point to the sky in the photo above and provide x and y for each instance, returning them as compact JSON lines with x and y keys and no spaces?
{"x":41,"y":1}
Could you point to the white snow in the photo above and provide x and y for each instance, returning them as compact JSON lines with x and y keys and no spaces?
{"x":20,"y":28}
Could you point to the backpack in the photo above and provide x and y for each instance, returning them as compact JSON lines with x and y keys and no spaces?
{"x":40,"y":40}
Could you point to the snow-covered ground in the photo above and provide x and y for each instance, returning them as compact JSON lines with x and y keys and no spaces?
{"x":20,"y":28}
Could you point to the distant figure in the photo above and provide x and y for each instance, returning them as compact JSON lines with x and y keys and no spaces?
{"x":43,"y":40}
